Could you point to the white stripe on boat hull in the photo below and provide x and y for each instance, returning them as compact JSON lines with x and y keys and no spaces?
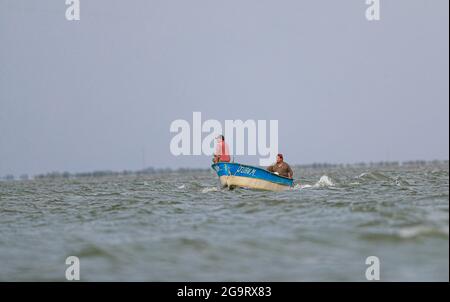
{"x":253,"y":183}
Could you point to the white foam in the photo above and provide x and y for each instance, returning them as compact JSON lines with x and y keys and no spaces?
{"x":207,"y":190}
{"x":412,"y":232}
{"x":324,"y":182}
{"x":181,"y":187}
{"x":299,"y":187}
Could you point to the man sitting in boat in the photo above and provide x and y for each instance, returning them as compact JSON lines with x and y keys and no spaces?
{"x":281,"y":168}
{"x":222,"y":153}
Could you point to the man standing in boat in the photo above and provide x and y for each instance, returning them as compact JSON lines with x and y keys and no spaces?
{"x":281,"y":168}
{"x":222,"y":153}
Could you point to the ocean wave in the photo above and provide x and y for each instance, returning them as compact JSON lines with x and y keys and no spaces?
{"x":323,"y":182}
{"x":400,"y":182}
{"x":417,"y":231}
{"x":374,"y":176}
{"x":410,"y":233}
{"x":210,"y":189}
{"x":300,"y":186}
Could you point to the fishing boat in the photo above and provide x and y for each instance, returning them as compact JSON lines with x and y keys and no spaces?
{"x":234,"y":175}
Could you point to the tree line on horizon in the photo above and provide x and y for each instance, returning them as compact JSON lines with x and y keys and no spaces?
{"x":153,"y":171}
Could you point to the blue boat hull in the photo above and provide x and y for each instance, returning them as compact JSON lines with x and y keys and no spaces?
{"x":238,"y":175}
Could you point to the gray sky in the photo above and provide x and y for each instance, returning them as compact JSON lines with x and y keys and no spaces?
{"x":93,"y":94}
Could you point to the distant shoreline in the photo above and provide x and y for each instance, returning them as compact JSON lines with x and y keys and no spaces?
{"x":156,"y":171}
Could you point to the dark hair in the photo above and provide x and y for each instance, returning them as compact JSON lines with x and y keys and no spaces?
{"x":280,"y":155}
{"x":222,"y":137}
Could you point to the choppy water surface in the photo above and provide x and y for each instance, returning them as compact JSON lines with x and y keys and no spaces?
{"x":183,"y":227}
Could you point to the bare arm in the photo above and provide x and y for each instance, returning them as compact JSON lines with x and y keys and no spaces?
{"x":290,"y":172}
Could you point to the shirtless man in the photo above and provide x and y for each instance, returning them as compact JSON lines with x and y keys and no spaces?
{"x":281,"y":168}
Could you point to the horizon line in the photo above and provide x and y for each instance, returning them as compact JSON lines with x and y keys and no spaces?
{"x":180,"y":168}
